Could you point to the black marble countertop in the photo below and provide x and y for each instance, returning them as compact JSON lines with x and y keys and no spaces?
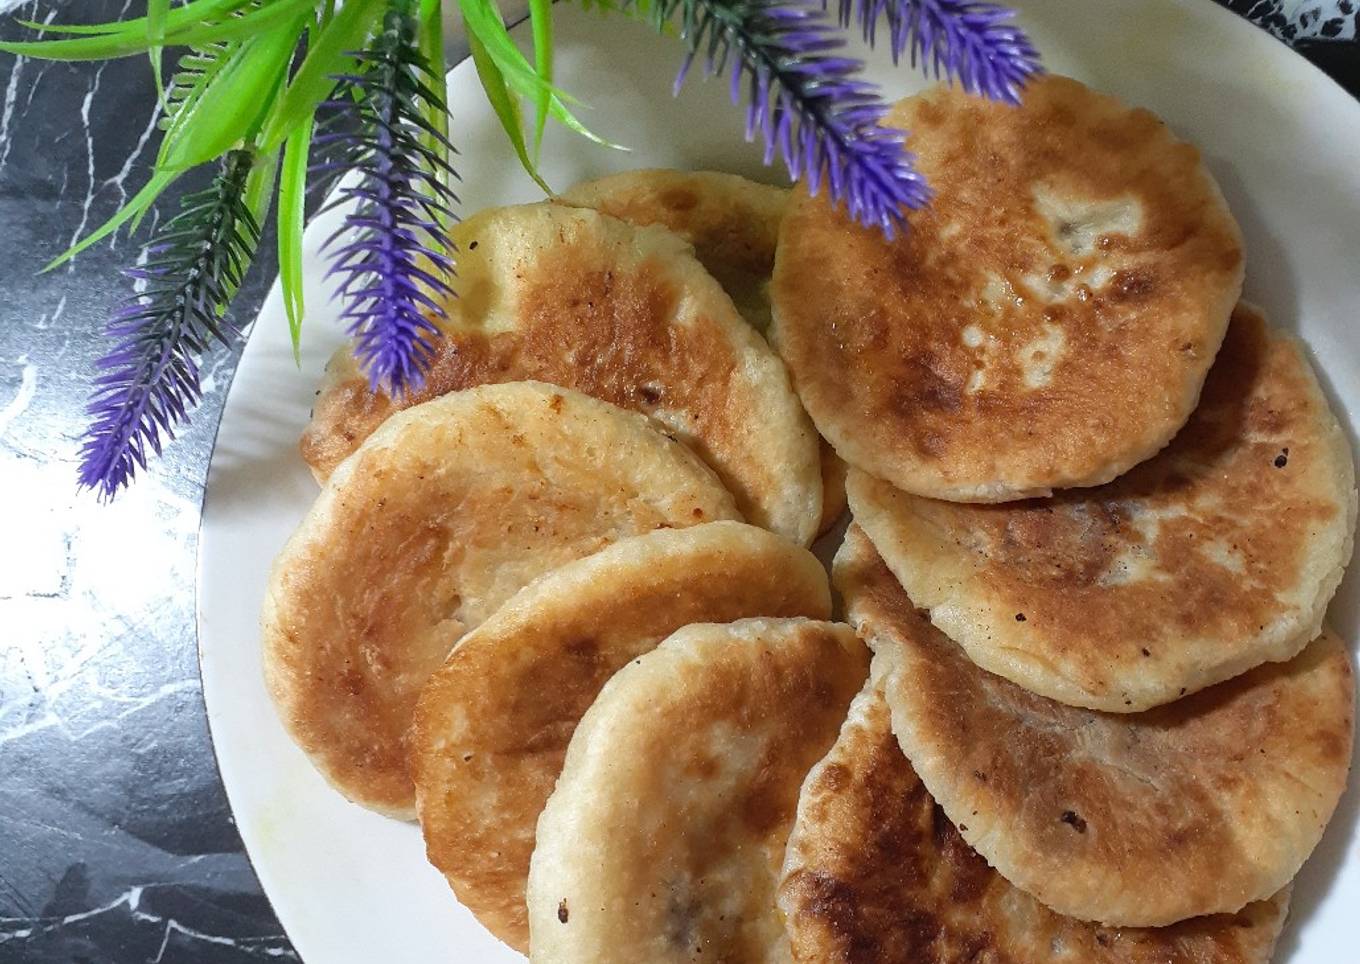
{"x":116,"y":842}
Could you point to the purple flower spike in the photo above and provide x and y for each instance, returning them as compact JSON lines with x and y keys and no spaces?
{"x":390,"y":256}
{"x":149,"y":380}
{"x":964,"y":40}
{"x":805,"y":100}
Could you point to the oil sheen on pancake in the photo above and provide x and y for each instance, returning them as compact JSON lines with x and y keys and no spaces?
{"x":733,"y":225}
{"x":443,"y":514}
{"x":1217,"y":555}
{"x":627,"y":315}
{"x":1046,"y":322}
{"x":665,"y":836}
{"x":492,"y":726}
{"x":1199,"y":807}
{"x":877,"y":874}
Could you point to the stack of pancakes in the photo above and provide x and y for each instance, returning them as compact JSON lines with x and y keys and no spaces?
{"x":558,"y":605}
{"x":1099,"y":511}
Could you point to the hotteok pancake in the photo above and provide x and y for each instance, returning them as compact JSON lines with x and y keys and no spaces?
{"x":492,"y":725}
{"x":664,"y":838}
{"x":627,"y":315}
{"x":443,"y":514}
{"x":877,"y":873}
{"x":733,"y":224}
{"x":1217,"y":555}
{"x":1047,"y":321}
{"x":1198,"y":807}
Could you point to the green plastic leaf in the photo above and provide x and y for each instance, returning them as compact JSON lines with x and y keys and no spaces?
{"x":431,"y":45}
{"x":504,"y":103}
{"x":431,"y":41}
{"x":195,"y":70}
{"x":80,"y":48}
{"x":483,"y":20}
{"x":259,"y":190}
{"x":540,"y":20}
{"x":126,"y":43}
{"x":327,"y":54}
{"x":292,"y":211}
{"x":139,"y":203}
{"x":132,"y":36}
{"x":245,"y":25}
{"x":229,"y":106}
{"x":155,"y":36}
{"x":195,"y":11}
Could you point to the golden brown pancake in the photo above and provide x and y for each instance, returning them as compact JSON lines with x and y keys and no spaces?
{"x":492,"y":726}
{"x":665,"y":836}
{"x":627,"y":315}
{"x":876,"y":873}
{"x":732,"y":223}
{"x":1217,"y":555}
{"x":1046,"y":322}
{"x":443,"y":514}
{"x":1140,"y":820}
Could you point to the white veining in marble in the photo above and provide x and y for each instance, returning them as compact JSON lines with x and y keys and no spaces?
{"x":115,"y":840}
{"x":28,"y":384}
{"x":130,"y":901}
{"x":91,"y":186}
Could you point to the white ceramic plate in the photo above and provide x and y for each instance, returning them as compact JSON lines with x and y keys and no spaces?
{"x":1283,"y":140}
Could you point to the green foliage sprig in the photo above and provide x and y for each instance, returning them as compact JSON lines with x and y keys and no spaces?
{"x":254,"y":76}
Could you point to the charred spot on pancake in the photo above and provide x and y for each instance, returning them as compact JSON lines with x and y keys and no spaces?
{"x":680,"y":199}
{"x":1131,"y":285}
{"x":835,"y":777}
{"x":926,"y":385}
{"x":1074,"y":820}
{"x":650,"y":393}
{"x":583,"y":650}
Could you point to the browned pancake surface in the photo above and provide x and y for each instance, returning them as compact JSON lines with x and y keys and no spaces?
{"x":1198,"y":807}
{"x":1046,"y":322}
{"x":733,"y":223}
{"x":664,"y":837}
{"x":493,"y":724}
{"x":1218,"y":554}
{"x":877,"y":874}
{"x":447,"y":511}
{"x":572,"y":297}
